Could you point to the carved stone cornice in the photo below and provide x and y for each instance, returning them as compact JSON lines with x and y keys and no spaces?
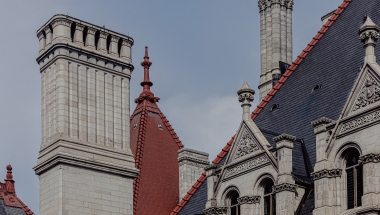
{"x":284,"y":137}
{"x":114,"y":38}
{"x":103,"y":35}
{"x":249,"y":200}
{"x":370,"y":158}
{"x":284,"y":187}
{"x":245,"y":166}
{"x":47,"y":30}
{"x":61,"y":21}
{"x":361,"y":121}
{"x":321,"y":121}
{"x":128,"y":43}
{"x":91,"y":31}
{"x":193,"y":160}
{"x":334,"y":173}
{"x":215,"y":210}
{"x":79,"y":26}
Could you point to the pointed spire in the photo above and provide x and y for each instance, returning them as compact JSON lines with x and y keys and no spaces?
{"x":246,"y":97}
{"x":146,"y":94}
{"x":9,"y":183}
{"x":369,"y":34}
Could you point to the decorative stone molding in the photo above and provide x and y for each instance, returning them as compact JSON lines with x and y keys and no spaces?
{"x":360,"y":122}
{"x":371,"y":34}
{"x":103,"y":35}
{"x":249,"y":200}
{"x":212,"y":166}
{"x":284,"y":187}
{"x":91,"y":31}
{"x":369,"y":94}
{"x":193,"y":160}
{"x":79,"y":27}
{"x":321,"y":121}
{"x":47,"y":30}
{"x":215,"y":210}
{"x":247,"y":165}
{"x":147,"y":97}
{"x":40,"y":35}
{"x":284,"y":137}
{"x":114,"y":38}
{"x":61,"y":21}
{"x":370,"y":158}
{"x":334,"y":173}
{"x":246,"y":145}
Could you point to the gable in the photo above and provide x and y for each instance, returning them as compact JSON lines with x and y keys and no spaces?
{"x":245,"y":144}
{"x":334,"y":63}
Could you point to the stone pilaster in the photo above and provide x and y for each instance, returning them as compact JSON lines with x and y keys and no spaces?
{"x":191,"y":166}
{"x":371,"y":177}
{"x":78,"y":34}
{"x":212,"y":177}
{"x":90,"y":39}
{"x":102,"y":43}
{"x":322,"y":138}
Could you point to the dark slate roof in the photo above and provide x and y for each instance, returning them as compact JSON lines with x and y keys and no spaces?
{"x":308,"y":206}
{"x":197,"y":202}
{"x":334,"y":63}
{"x":6,"y":210}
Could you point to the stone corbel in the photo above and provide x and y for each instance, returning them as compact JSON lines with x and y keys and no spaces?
{"x":249,"y":200}
{"x":284,"y":187}
{"x":334,"y":173}
{"x":215,"y":210}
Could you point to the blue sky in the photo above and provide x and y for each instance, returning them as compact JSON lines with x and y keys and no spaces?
{"x":202,"y":51}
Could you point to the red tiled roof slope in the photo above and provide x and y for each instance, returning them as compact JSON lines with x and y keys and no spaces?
{"x":269,"y":96}
{"x":8,"y":193}
{"x":155,"y":146}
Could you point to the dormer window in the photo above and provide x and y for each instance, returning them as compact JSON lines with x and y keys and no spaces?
{"x":275,"y":107}
{"x":316,"y":87}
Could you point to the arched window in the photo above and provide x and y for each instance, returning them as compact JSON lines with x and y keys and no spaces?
{"x":269,"y":199}
{"x":232,"y":201}
{"x":354,"y":180}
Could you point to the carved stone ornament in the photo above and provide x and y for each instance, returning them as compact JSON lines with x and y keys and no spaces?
{"x":79,"y":27}
{"x":262,"y":4}
{"x":61,"y":21}
{"x":369,"y":34}
{"x":147,"y":97}
{"x":47,"y":30}
{"x":103,"y":35}
{"x":245,"y":96}
{"x":370,"y":158}
{"x":246,"y":166}
{"x":91,"y":31}
{"x":334,"y":173}
{"x":249,"y":200}
{"x":290,"y":4}
{"x":245,"y":146}
{"x":127,"y":42}
{"x":115,"y":38}
{"x":40,"y":35}
{"x":215,"y":210}
{"x":284,"y":187}
{"x":360,"y":122}
{"x":369,"y":94}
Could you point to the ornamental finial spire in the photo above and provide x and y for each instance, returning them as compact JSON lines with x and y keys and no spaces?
{"x":369,"y":34}
{"x":146,"y":94}
{"x":9,"y":183}
{"x":246,"y":97}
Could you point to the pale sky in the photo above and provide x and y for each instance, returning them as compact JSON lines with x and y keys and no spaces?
{"x":202,"y":51}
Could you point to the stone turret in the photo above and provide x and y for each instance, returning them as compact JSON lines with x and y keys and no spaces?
{"x":369,"y":34}
{"x":85,"y":76}
{"x":276,"y":41}
{"x":246,"y":97}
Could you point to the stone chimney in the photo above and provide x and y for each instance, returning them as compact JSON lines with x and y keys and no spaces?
{"x":276,"y":40}
{"x":191,"y":166}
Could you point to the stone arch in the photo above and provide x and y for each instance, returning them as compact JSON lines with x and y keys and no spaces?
{"x":344,"y":150}
{"x":261,"y":181}
{"x":227,"y":192}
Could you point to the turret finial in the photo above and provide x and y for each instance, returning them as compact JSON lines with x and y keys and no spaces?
{"x":9,"y":183}
{"x":369,"y":34}
{"x":246,"y":97}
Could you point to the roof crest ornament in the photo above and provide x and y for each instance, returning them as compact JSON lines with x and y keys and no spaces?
{"x":146,"y":94}
{"x":369,"y":34}
{"x":246,"y":97}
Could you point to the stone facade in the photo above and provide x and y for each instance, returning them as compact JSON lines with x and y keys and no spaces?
{"x":85,"y":75}
{"x":191,"y":166}
{"x":276,"y":40}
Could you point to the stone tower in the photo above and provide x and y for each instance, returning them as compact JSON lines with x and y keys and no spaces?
{"x":276,"y":41}
{"x":85,"y":164}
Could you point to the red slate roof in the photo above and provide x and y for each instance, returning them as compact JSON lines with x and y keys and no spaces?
{"x":265,"y":101}
{"x":155,"y":146}
{"x":8,"y":193}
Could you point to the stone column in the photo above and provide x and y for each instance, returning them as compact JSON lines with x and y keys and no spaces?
{"x":49,"y":35}
{"x":269,"y":46}
{"x":322,"y":138}
{"x":78,"y":35}
{"x":113,"y":49}
{"x":41,"y":38}
{"x":289,"y":32}
{"x":286,"y":188}
{"x":102,"y":43}
{"x":283,"y":35}
{"x":371,"y":178}
{"x":276,"y":38}
{"x":90,"y":39}
{"x":211,"y":179}
{"x":125,"y":51}
{"x":263,"y":45}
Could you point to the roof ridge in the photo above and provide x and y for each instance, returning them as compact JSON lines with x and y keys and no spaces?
{"x":139,"y":153}
{"x":270,"y":95}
